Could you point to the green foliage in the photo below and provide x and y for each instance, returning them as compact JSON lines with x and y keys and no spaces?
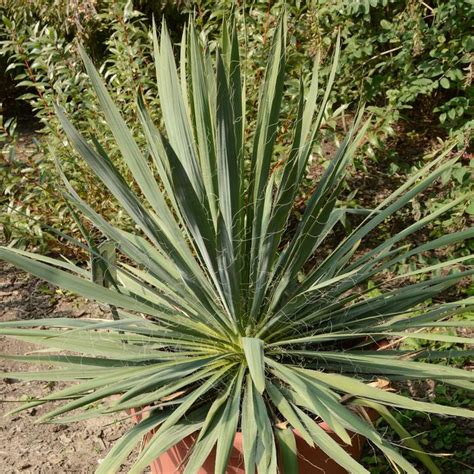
{"x":47,"y":67}
{"x":446,"y":438}
{"x":8,"y":136}
{"x":420,"y":50}
{"x":213,"y":301}
{"x":407,"y":60}
{"x":396,"y":53}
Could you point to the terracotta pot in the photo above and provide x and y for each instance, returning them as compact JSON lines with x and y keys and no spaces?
{"x":310,"y":460}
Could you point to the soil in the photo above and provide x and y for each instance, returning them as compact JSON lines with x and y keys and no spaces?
{"x":25,"y":446}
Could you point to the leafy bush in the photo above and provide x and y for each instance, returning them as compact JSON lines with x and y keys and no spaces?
{"x":215,"y":303}
{"x":414,"y":51}
{"x":411,"y":62}
{"x":46,"y":64}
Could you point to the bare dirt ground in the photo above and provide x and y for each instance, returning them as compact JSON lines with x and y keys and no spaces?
{"x":26,"y":447}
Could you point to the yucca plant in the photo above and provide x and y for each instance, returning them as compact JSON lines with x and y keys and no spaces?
{"x":223,"y":322}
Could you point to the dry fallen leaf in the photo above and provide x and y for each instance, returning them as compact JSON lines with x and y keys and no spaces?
{"x":382,"y":384}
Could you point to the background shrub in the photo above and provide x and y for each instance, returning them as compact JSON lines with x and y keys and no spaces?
{"x":410,"y":61}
